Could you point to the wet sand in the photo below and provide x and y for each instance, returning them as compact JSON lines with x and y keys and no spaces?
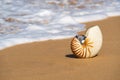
{"x":52,"y":60}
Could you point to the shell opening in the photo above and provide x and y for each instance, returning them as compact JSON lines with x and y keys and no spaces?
{"x":81,"y":38}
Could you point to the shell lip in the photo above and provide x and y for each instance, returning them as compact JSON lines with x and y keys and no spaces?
{"x":81,"y":38}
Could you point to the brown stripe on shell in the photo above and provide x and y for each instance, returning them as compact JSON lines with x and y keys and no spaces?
{"x":81,"y":50}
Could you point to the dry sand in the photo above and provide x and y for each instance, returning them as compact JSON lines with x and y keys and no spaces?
{"x":52,"y":60}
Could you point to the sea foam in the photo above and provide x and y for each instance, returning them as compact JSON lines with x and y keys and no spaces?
{"x":25,"y":21}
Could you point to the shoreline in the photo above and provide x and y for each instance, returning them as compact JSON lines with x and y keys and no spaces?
{"x":29,"y":42}
{"x":51,"y":59}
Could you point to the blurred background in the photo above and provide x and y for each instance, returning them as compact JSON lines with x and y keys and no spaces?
{"x":35,"y":20}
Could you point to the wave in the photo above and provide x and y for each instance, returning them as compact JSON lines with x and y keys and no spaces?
{"x":25,"y":21}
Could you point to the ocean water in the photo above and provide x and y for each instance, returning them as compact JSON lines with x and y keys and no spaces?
{"x":25,"y":21}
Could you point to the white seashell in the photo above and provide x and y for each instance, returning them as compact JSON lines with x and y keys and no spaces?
{"x":88,"y":45}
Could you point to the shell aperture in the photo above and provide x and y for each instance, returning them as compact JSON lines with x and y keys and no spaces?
{"x":88,"y":45}
{"x":81,"y":38}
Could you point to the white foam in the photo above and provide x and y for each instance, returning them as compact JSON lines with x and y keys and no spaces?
{"x":37,"y":21}
{"x":88,"y":18}
{"x":113,"y":13}
{"x":44,"y":13}
{"x":34,"y":27}
{"x":66,"y":20}
{"x":34,"y":33}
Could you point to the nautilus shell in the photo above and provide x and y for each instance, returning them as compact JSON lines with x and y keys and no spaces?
{"x":88,"y":45}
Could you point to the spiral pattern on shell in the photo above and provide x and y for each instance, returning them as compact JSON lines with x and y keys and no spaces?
{"x":88,"y":45}
{"x":81,"y":50}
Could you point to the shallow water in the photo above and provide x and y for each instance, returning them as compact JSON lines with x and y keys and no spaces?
{"x":23,"y":21}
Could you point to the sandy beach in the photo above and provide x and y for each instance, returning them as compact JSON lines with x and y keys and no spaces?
{"x":53,"y":60}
